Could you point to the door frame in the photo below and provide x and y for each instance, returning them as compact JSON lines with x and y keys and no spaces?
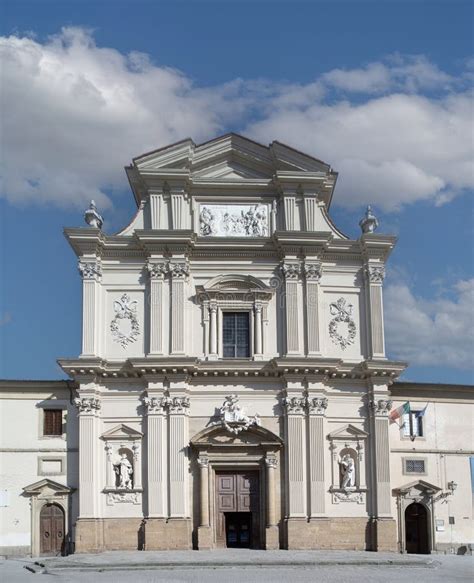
{"x":48,"y":492}
{"x":423,"y":493}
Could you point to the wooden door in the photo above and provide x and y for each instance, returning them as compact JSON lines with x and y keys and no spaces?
{"x":416,"y":533}
{"x":237,"y":492}
{"x":51,"y":530}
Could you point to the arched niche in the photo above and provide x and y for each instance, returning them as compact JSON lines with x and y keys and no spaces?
{"x":348,"y":441}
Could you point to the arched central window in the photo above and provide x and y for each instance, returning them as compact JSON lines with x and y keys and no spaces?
{"x":236,"y":334}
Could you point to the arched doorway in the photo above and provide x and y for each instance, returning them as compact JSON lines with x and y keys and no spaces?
{"x":51,"y":530}
{"x":416,"y":529}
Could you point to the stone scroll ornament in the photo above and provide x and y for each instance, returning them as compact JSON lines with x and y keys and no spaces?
{"x":342,"y":312}
{"x":125,"y":310}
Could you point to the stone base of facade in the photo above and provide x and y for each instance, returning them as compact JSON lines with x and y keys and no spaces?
{"x":164,"y":535}
{"x":358,"y":534}
{"x":385,"y":535}
{"x":205,"y":538}
{"x":272,"y":538}
{"x":94,"y":535}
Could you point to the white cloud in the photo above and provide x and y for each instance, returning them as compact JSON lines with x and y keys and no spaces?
{"x":400,"y":73}
{"x":390,"y":150}
{"x":437,"y":332}
{"x":74,"y":114}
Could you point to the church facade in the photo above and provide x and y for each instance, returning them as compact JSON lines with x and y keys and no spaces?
{"x":233,"y":388}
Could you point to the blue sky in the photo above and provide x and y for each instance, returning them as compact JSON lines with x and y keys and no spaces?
{"x":380,"y":90}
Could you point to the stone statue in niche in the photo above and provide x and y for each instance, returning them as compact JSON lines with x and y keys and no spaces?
{"x":123,"y":469}
{"x":347,"y":472}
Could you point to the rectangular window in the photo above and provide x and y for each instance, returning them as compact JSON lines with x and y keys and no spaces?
{"x":236,"y":337}
{"x":416,"y":427}
{"x":52,"y":422}
{"x":415,"y":466}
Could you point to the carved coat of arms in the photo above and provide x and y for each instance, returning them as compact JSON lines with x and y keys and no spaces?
{"x":233,"y":416}
{"x":125,"y":310}
{"x":342,"y":312}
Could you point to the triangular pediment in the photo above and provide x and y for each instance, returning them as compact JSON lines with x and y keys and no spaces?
{"x":230,"y":156}
{"x":46,"y":486}
{"x":421,"y":485}
{"x":121,"y":432}
{"x":348,"y":432}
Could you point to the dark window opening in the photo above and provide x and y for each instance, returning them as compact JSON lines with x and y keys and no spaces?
{"x":236,"y":335}
{"x":52,"y":422}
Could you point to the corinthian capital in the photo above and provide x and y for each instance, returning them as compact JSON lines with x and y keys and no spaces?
{"x":295,"y":405}
{"x":179,"y":270}
{"x":156,"y":404}
{"x":179,"y":405}
{"x":90,"y":269}
{"x":313,"y":270}
{"x":317,"y":405}
{"x":156,"y":270}
{"x":87,"y":404}
{"x":375,"y":273}
{"x":291,"y":270}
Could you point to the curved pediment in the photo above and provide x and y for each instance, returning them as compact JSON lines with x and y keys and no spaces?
{"x":218,"y":435}
{"x":235,"y":282}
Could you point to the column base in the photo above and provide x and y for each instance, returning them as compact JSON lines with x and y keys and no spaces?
{"x":385,"y":534}
{"x":272,"y":538}
{"x":172,"y":534}
{"x":204,"y":535}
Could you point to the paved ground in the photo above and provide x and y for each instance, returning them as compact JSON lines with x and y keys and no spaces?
{"x":243,"y":566}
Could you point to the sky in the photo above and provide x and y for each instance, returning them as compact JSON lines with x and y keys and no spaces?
{"x":381,"y":90}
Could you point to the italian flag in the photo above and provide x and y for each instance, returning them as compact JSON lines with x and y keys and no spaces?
{"x":399,"y":411}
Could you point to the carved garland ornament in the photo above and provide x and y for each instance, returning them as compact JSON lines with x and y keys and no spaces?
{"x":342,"y":312}
{"x":125,"y":310}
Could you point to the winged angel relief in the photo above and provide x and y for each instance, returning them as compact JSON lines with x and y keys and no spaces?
{"x":124,"y":326}
{"x":342,"y":328}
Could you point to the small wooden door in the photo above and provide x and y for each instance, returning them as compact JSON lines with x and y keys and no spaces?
{"x":416,"y":529}
{"x":51,"y":530}
{"x":237,"y":493}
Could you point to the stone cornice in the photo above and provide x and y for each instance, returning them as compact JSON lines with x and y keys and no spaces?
{"x":298,"y":370}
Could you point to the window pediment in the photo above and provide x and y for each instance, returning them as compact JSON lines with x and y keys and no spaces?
{"x":122,"y":432}
{"x":232,"y":283}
